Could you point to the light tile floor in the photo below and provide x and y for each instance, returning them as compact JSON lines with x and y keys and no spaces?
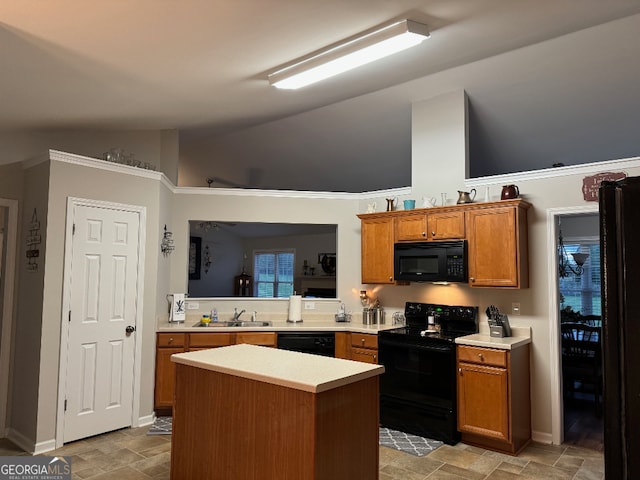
{"x":131,"y":454}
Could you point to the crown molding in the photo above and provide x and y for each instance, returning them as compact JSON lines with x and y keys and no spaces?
{"x":569,"y":170}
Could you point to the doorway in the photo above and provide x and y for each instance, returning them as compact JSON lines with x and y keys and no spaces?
{"x":575,"y":420}
{"x":581,"y":329}
{"x":8,"y":255}
{"x":102,"y":319}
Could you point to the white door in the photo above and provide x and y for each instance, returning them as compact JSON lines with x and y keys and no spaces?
{"x":100,"y":346}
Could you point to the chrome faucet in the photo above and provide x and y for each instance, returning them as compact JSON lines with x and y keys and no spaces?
{"x":236,"y":315}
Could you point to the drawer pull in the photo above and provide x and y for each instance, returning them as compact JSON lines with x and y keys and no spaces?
{"x":480,"y":356}
{"x":362,"y":341}
{"x":170,"y":340}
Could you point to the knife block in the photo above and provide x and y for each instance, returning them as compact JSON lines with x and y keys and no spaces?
{"x":496,"y":331}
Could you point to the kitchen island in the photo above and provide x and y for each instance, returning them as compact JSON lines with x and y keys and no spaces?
{"x":251,"y":412}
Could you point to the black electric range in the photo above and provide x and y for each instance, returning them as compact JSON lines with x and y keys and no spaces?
{"x":418,"y":388}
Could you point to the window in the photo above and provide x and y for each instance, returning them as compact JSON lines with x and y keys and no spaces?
{"x":582,"y":292}
{"x":273,"y":273}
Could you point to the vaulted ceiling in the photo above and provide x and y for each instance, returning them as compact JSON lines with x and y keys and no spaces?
{"x":539,"y":93}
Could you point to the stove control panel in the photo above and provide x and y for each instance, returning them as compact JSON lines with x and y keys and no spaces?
{"x":451,"y":318}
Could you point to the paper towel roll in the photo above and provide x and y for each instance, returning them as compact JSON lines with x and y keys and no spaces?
{"x":295,"y":308}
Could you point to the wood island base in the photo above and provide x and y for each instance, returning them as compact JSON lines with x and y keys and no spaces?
{"x":229,"y":427}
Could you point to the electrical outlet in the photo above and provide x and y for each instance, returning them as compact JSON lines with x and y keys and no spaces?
{"x":309,"y":305}
{"x":515,"y":308}
{"x":193,"y":305}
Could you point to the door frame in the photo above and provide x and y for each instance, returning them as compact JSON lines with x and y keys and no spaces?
{"x":7,"y":320}
{"x":73,"y":202}
{"x":557,"y":411}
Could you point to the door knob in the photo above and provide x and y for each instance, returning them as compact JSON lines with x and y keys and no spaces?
{"x":130,"y":329}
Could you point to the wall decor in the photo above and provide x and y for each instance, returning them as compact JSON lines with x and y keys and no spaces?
{"x":207,"y":260}
{"x":166,"y":244}
{"x":591,"y":184}
{"x":195,"y":257}
{"x":328,"y":263}
{"x":33,"y":242}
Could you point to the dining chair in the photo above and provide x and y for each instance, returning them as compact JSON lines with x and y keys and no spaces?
{"x":582,"y":361}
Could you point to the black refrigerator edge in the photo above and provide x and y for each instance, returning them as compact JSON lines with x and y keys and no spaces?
{"x":620,"y":270}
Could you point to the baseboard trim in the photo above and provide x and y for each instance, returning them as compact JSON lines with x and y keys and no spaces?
{"x":28,"y":445}
{"x":542,"y":437}
{"x":146,"y":420}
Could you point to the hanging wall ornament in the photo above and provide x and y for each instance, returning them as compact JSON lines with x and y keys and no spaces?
{"x":33,"y":243}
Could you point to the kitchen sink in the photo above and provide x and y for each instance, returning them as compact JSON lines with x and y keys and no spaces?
{"x":238,"y":323}
{"x":235,"y":323}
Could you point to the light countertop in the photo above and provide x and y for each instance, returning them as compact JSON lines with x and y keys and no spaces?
{"x":300,"y":371}
{"x":279,"y":326}
{"x":521,"y":336}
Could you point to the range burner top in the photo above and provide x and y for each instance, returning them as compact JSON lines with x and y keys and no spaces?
{"x":438,"y":322}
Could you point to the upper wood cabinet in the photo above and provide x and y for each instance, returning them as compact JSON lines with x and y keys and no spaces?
{"x":377,"y":250}
{"x":498,"y":247}
{"x":496,"y":234}
{"x":429,"y":226}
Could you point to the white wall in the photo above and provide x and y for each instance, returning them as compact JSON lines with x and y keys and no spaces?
{"x":275,"y":207}
{"x":158,"y":147}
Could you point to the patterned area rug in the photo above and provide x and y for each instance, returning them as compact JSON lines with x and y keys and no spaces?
{"x":404,"y":442}
{"x":161,"y":426}
{"x":407,"y":443}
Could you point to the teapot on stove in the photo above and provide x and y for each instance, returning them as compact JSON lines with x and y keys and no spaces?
{"x":465,"y":197}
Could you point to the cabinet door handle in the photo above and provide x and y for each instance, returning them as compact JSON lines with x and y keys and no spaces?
{"x":375,"y":358}
{"x":433,"y":234}
{"x":424,"y":234}
{"x":391,"y":279}
{"x":472,"y":279}
{"x":460,"y":371}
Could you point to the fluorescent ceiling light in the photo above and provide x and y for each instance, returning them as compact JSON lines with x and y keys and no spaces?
{"x":351,"y":54}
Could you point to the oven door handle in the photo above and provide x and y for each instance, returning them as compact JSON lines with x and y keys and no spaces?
{"x":383,"y":342}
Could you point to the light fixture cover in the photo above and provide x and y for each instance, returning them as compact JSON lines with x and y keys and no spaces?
{"x":353,"y":53}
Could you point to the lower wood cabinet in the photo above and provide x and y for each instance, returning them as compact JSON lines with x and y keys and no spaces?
{"x":202,"y":341}
{"x":362,"y":347}
{"x":265,"y":339}
{"x":494,"y":404}
{"x":169,"y":343}
{"x":166,"y":345}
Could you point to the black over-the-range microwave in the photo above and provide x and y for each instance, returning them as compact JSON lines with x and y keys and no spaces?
{"x":431,"y":261}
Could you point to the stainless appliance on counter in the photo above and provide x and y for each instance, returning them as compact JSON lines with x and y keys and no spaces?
{"x":418,"y":388}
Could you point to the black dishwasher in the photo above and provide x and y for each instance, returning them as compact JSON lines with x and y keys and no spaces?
{"x":318,"y":343}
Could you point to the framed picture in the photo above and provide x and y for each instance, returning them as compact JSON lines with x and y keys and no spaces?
{"x":328,"y":263}
{"x":195,"y":257}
